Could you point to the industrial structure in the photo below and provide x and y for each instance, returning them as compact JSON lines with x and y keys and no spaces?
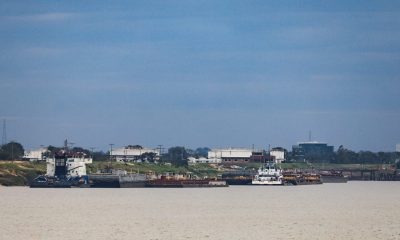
{"x":278,"y":154}
{"x":193,"y":160}
{"x":312,"y":151}
{"x":135,"y":153}
{"x":237,"y":155}
{"x":35,"y":155}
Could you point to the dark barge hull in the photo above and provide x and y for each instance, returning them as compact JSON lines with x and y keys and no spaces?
{"x":334,"y":179}
{"x":238,"y":181}
{"x":104,"y":181}
{"x":117,"y":181}
{"x":51,"y":184}
{"x":184,"y":184}
{"x":296,"y":183}
{"x":46,"y":185}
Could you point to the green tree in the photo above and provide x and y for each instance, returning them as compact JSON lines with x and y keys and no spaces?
{"x":148,"y":156}
{"x":81,"y":150}
{"x":177,"y":156}
{"x":11,"y":151}
{"x":202,"y":152}
{"x":344,"y":155}
{"x":101,"y":156}
{"x":367,"y":157}
{"x":51,"y":151}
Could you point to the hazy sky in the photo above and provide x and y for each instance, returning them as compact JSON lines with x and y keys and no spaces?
{"x":201,"y":73}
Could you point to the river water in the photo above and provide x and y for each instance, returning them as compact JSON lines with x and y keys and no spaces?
{"x":356,"y":210}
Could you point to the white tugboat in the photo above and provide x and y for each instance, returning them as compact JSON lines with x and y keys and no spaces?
{"x":268,"y":175}
{"x":65,"y":169}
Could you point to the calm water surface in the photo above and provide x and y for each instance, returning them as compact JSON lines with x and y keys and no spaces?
{"x":356,"y":210}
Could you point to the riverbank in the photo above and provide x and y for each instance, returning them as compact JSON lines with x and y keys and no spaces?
{"x":19,"y":173}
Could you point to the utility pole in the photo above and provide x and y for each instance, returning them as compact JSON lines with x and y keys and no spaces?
{"x":109,"y":163}
{"x":160,"y":149}
{"x":12,"y":150}
{"x":269,"y":152}
{"x":92,"y":150}
{"x":4,"y":137}
{"x":41,"y":152}
{"x":71,"y":144}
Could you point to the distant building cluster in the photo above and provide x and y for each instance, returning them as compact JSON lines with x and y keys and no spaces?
{"x":303,"y":151}
{"x":398,"y":147}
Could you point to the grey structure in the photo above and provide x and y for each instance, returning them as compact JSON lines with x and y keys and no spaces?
{"x":312,"y":151}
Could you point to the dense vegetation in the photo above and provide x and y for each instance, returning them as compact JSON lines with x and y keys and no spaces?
{"x":11,"y":151}
{"x":346,"y":156}
{"x":18,"y":173}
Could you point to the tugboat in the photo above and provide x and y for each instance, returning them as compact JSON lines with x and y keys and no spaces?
{"x":268,"y":174}
{"x":66,"y":169}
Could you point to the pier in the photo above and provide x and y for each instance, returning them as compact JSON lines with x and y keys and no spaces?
{"x":372,"y":175}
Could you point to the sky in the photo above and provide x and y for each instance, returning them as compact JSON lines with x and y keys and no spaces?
{"x":201,"y":73}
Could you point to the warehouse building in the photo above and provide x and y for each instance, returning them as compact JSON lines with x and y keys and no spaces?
{"x":237,"y":155}
{"x":35,"y":155}
{"x":135,"y":153}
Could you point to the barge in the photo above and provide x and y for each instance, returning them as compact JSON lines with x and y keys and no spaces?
{"x":238,"y":178}
{"x":165,"y":182}
{"x":301,"y":178}
{"x":333,"y":177}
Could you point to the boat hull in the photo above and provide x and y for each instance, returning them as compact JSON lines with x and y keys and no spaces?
{"x":185,"y":183}
{"x":267,"y":183}
{"x":238,"y":181}
{"x":334,"y":179}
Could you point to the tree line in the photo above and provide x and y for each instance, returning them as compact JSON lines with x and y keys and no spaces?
{"x":343,"y":156}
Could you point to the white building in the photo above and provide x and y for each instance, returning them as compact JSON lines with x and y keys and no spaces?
{"x":278,"y":154}
{"x":192,"y":160}
{"x":35,"y":155}
{"x":75,"y":166}
{"x":230,"y":155}
{"x":398,"y":147}
{"x":133,"y":153}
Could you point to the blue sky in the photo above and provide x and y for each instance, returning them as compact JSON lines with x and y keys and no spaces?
{"x":201,"y":73}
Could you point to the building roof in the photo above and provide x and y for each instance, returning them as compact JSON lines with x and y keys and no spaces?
{"x":312,"y":142}
{"x":132,"y":151}
{"x":230,"y":153}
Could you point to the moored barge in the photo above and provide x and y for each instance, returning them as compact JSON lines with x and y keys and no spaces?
{"x":165,"y":182}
